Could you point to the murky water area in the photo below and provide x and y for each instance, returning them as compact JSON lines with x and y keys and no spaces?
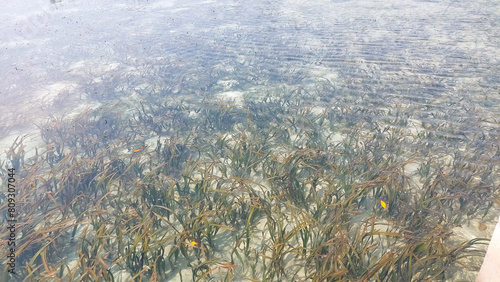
{"x":268,"y":140}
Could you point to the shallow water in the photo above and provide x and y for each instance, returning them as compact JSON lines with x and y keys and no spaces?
{"x":412,"y":84}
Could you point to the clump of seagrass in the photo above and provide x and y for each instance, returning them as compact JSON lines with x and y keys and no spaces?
{"x":282,"y":187}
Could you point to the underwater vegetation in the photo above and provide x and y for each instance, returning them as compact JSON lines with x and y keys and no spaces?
{"x":256,"y":141}
{"x":277,"y":187}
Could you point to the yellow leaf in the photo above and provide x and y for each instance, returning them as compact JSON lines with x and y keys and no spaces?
{"x":384,"y":205}
{"x":194,"y":243}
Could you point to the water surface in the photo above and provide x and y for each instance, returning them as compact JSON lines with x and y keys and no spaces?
{"x":420,"y":74}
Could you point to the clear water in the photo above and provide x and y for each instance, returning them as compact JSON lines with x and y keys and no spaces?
{"x":420,"y":74}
